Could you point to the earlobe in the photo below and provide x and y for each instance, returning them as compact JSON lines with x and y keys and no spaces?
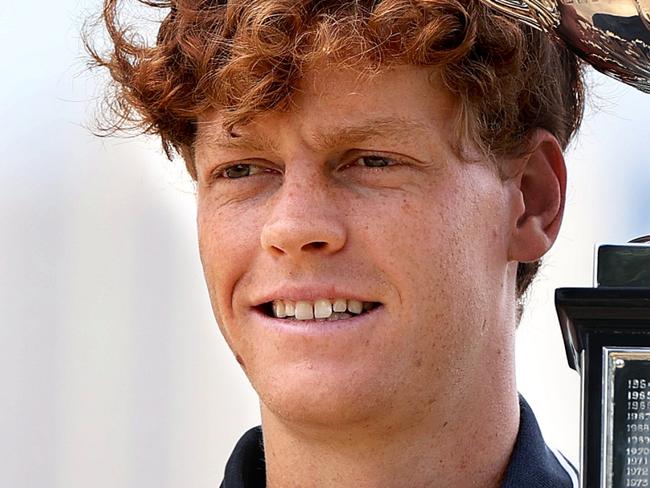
{"x":538,"y":197}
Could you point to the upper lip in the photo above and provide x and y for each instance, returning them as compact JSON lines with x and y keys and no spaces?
{"x":310,"y":293}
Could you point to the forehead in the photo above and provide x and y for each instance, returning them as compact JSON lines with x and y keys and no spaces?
{"x":332,"y":106}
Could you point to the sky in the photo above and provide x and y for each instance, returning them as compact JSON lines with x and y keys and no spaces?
{"x":112,"y":367}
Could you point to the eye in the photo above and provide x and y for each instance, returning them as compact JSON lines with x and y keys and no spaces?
{"x":375,"y":161}
{"x":240,"y":170}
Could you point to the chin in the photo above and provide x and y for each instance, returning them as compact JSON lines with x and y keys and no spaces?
{"x":322,"y":399}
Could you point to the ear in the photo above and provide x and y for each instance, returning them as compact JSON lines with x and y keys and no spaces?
{"x":538,"y":192}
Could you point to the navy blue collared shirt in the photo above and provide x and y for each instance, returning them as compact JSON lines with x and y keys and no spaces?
{"x":532,"y":464}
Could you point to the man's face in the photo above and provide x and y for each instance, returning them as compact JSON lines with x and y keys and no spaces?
{"x":355,"y":194}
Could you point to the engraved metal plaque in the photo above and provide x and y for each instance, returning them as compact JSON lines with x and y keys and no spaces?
{"x":626,"y":419}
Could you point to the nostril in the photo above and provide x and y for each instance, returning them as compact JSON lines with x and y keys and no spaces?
{"x":315,"y":245}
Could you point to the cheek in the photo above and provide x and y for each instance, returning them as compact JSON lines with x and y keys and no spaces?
{"x":409,"y":234}
{"x":227,"y":240}
{"x":431,"y":245}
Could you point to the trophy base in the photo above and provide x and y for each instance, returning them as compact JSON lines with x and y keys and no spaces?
{"x":607,"y":338}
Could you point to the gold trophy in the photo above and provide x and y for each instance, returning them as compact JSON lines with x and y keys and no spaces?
{"x":611,"y":35}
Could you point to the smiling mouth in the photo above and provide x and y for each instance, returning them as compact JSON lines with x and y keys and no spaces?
{"x":319,"y":310}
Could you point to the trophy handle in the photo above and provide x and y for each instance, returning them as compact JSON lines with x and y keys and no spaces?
{"x":518,"y":10}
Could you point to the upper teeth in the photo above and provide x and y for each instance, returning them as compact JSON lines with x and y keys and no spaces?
{"x":320,"y":309}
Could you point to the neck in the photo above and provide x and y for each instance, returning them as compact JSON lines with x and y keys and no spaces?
{"x":463,"y":440}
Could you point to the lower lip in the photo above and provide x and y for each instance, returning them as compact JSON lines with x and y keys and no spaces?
{"x":319,"y":327}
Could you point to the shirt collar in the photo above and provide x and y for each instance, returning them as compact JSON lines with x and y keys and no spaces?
{"x":246,"y":467}
{"x":532,"y":463}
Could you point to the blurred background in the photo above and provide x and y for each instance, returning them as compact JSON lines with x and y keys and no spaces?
{"x":112,"y":371}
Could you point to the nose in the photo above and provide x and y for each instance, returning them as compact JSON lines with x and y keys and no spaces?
{"x":303,"y":221}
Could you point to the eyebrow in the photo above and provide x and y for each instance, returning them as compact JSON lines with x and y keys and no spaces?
{"x":380,"y":127}
{"x":340,"y":135}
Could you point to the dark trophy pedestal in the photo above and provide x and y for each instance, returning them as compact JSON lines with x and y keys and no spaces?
{"x":607,"y":338}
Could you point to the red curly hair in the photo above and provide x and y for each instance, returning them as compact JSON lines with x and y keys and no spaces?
{"x":246,"y":57}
